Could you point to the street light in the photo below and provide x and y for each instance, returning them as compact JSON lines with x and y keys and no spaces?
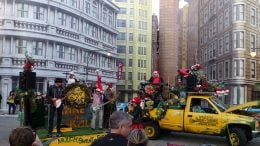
{"x":90,"y":56}
{"x":253,"y":52}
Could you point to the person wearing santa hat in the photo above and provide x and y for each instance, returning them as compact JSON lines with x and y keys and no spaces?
{"x":97,"y":109}
{"x":136,"y":112}
{"x":158,"y":82}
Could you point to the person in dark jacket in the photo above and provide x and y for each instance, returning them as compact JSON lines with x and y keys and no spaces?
{"x":120,"y":124}
{"x":136,"y":112}
{"x":56,"y":95}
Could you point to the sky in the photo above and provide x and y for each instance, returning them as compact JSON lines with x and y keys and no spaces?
{"x":156,"y":7}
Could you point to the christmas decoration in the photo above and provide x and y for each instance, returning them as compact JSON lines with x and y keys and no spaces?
{"x":77,"y":95}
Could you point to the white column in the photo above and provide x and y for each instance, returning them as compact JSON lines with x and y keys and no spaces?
{"x":5,"y":6}
{"x":12,"y":46}
{"x":13,"y":9}
{"x":6,"y":87}
{"x":4,"y":44}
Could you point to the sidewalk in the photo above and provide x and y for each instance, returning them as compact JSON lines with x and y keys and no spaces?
{"x":5,"y":114}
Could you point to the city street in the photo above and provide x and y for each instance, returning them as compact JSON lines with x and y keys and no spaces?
{"x":7,"y":123}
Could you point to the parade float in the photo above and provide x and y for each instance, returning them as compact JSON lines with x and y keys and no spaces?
{"x":34,"y":107}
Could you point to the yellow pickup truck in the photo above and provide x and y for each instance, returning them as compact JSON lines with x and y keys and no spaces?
{"x":205,"y":114}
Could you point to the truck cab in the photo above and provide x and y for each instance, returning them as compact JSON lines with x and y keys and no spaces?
{"x":205,"y":114}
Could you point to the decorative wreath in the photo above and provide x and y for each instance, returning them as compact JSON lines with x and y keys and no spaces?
{"x":77,"y":95}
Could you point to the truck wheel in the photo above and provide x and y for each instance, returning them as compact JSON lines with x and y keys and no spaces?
{"x":236,"y":137}
{"x":152,"y":130}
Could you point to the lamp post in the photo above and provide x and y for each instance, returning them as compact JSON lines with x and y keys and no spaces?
{"x":90,"y":56}
{"x":253,"y":51}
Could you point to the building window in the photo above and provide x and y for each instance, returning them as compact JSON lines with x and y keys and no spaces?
{"x":130,"y":49}
{"x":220,"y":22}
{"x":220,"y":4}
{"x":105,"y":36}
{"x":252,"y":41}
{"x":73,"y":22}
{"x":87,"y":6}
{"x":37,"y":48}
{"x":252,"y":70}
{"x":212,"y":75}
{"x":121,"y":36}
{"x":144,"y":63}
{"x":94,"y":10}
{"x":110,"y":18}
{"x":238,"y":95}
{"x":121,"y":49}
{"x":62,"y":19}
{"x":239,"y":39}
{"x":253,"y":16}
{"x":72,"y":53}
{"x":121,"y":23}
{"x":132,"y":12}
{"x":226,"y":69}
{"x":220,"y":46}
{"x":220,"y":71}
{"x":130,"y":76}
{"x":60,"y":52}
{"x":239,"y":12}
{"x":130,"y":62}
{"x":131,"y":36}
{"x":105,"y":15}
{"x":21,"y":46}
{"x":122,"y":10}
{"x":226,"y":19}
{"x":226,"y":42}
{"x":73,"y":3}
{"x":22,"y":10}
{"x":94,"y":32}
{"x":238,"y":68}
{"x":131,"y":23}
{"x":38,"y":13}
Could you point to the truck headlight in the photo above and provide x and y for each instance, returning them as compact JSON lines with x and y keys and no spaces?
{"x":257,"y":122}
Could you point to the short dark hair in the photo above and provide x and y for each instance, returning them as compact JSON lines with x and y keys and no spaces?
{"x":119,"y":118}
{"x":58,"y":80}
{"x":22,"y":136}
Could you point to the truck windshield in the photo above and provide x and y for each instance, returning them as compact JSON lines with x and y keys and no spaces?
{"x":219,"y":104}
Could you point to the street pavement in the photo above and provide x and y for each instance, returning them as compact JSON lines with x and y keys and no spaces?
{"x":9,"y":122}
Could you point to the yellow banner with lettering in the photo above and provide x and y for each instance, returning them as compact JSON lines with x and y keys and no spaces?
{"x":84,"y":140}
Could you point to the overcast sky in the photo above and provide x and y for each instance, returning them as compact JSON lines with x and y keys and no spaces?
{"x":156,"y":7}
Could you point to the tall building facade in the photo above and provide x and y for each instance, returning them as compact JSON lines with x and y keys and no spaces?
{"x":134,"y":44}
{"x":192,"y":32}
{"x":228,"y":32}
{"x":168,"y":40}
{"x":183,"y":37}
{"x":61,"y":35}
{"x":155,"y":42}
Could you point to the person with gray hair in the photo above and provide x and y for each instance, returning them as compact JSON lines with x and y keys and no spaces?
{"x":120,"y":124}
{"x":137,"y":137}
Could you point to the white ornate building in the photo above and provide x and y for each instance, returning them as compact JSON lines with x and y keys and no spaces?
{"x":61,"y":35}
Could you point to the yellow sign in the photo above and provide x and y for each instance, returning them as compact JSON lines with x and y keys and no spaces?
{"x":84,"y":140}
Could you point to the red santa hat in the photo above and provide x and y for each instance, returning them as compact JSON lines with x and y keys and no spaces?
{"x":99,"y":83}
